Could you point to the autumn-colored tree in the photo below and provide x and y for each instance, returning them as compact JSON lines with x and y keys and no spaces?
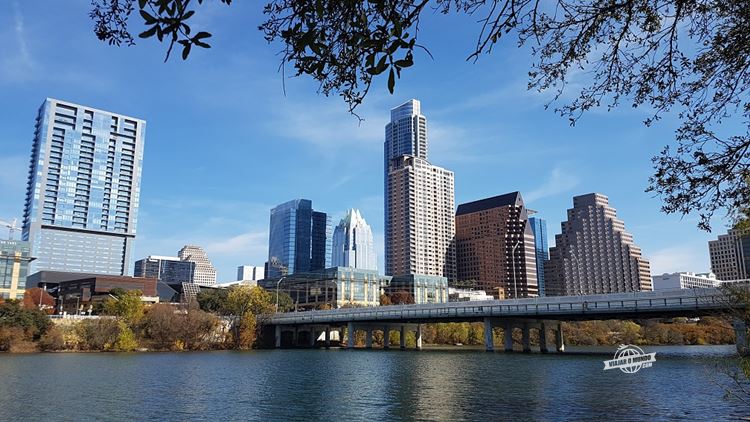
{"x":37,"y":298}
{"x":245,"y":303}
{"x":127,"y":306}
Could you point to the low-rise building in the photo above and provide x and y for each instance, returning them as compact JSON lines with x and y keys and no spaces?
{"x":250,"y":273}
{"x":74,"y":292}
{"x":422,"y":288}
{"x":467,"y":295}
{"x":15,"y":256}
{"x":334,"y":287}
{"x":169,"y":269}
{"x":685,"y":280}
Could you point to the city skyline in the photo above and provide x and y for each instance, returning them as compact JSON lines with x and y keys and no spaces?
{"x":484,"y":120}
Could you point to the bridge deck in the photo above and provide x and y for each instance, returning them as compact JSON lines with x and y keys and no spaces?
{"x":659,"y":304}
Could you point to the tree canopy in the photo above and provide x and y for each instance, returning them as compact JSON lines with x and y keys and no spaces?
{"x":687,"y":57}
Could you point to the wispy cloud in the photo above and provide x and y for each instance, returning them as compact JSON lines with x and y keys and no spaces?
{"x":23,"y":48}
{"x":693,"y":257}
{"x":13,"y":172}
{"x":246,"y":244}
{"x":557,"y":183}
{"x":17,"y":64}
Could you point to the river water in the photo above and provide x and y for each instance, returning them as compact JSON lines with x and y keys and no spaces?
{"x":454,"y":384}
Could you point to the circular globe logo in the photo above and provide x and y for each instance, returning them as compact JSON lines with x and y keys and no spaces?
{"x":630,"y":359}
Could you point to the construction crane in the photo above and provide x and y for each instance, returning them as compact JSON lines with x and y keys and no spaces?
{"x":11,"y":227}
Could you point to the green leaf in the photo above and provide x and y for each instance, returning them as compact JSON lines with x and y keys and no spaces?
{"x":149,"y":32}
{"x":148,"y":18}
{"x":186,"y":50}
{"x":201,"y":35}
{"x":391,"y":81}
{"x":142,"y":3}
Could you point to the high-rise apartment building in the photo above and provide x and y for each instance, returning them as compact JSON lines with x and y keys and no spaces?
{"x":353,"y":244}
{"x":419,"y":201}
{"x":495,"y":246}
{"x":539,"y":228}
{"x":204,"y":272}
{"x":594,"y":254}
{"x":299,"y":239}
{"x":167,"y":269}
{"x":249,"y":272}
{"x":730,"y":256}
{"x":83,"y":189}
{"x":15,"y":256}
{"x":421,"y":226}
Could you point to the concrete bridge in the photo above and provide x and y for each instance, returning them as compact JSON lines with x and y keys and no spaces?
{"x":543,"y":314}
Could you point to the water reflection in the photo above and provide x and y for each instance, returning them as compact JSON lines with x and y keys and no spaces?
{"x":358,"y":385}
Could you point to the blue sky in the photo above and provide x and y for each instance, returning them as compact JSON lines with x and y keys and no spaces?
{"x":225,"y":144}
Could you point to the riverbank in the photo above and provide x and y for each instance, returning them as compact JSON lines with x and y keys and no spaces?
{"x":163,"y":330}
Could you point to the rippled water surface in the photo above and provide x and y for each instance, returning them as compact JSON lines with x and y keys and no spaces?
{"x":364,"y":385}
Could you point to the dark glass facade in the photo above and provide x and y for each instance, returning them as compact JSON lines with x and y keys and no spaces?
{"x":299,"y":239}
{"x":539,"y":227}
{"x":167,"y":270}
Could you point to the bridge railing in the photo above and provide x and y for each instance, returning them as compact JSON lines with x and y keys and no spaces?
{"x":679,"y":300}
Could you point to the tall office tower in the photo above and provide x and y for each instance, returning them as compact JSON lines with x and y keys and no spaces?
{"x":730,"y":256}
{"x":299,"y":239}
{"x":353,"y":244}
{"x":539,"y":228}
{"x":167,"y":269}
{"x":495,"y":246}
{"x":419,"y":200}
{"x":249,"y":272}
{"x":204,"y":273}
{"x":421,"y":224}
{"x":83,"y":189}
{"x":594,"y":254}
{"x":15,"y":256}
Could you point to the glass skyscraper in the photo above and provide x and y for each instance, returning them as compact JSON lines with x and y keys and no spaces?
{"x":539,"y":227}
{"x":353,"y":244}
{"x":299,"y":239}
{"x":82,"y":197}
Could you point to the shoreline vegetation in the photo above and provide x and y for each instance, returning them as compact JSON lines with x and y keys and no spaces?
{"x":227,"y":320}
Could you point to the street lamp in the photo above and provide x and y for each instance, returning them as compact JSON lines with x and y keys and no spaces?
{"x":277,"y":293}
{"x":513,"y":266}
{"x":579,"y":284}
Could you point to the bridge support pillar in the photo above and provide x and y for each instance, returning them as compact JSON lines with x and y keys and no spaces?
{"x":278,"y":336}
{"x":740,"y":336}
{"x":402,"y":338}
{"x":508,"y":334}
{"x":559,"y":341}
{"x":489,"y":342}
{"x":350,"y":335}
{"x":368,"y":338}
{"x":313,"y":338}
{"x":386,"y":337}
{"x":543,"y":338}
{"x":526,"y":338}
{"x":328,"y":336}
{"x":419,"y":336}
